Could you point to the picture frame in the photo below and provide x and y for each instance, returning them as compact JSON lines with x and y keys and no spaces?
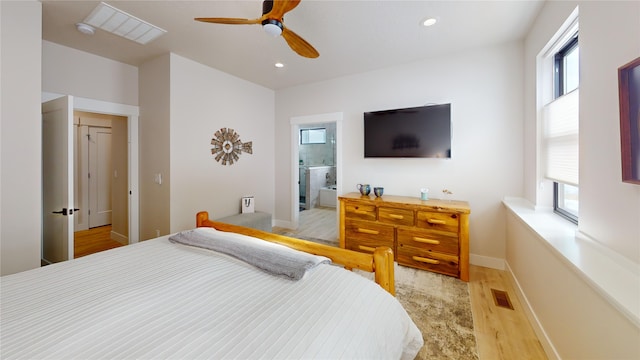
{"x":629,"y":93}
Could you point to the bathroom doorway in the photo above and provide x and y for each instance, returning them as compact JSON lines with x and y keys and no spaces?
{"x":316,"y":163}
{"x":317,"y":166}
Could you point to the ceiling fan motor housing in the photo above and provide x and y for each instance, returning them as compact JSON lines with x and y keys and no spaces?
{"x":272,"y":27}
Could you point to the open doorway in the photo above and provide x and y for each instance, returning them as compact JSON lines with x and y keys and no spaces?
{"x":127,"y":128}
{"x":101,"y":182}
{"x":316,"y":171}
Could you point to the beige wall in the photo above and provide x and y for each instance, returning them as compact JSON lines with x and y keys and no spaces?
{"x":155,"y":140}
{"x":20,"y":133}
{"x":68,"y":71}
{"x":120,"y":182}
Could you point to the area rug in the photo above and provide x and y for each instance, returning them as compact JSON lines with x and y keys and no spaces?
{"x":439,"y":305}
{"x":441,"y":308}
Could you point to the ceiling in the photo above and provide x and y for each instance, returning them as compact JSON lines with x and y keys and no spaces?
{"x":351,"y":36}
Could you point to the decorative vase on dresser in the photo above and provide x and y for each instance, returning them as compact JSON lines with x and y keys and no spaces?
{"x":430,"y":234}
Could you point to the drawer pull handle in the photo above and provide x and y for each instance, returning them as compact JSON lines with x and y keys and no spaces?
{"x":396,"y":216}
{"x":426,"y":260}
{"x":366,"y":248}
{"x":367,"y":231}
{"x":426,"y":241}
{"x":362,"y":212}
{"x":436,"y":221}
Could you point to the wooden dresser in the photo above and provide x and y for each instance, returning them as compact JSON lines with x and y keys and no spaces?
{"x":425,"y":234}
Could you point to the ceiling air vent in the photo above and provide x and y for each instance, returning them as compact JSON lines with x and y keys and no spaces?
{"x":118,"y":22}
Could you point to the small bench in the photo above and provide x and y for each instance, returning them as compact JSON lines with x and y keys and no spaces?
{"x":256,"y":220}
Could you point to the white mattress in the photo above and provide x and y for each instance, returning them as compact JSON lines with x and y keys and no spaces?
{"x":157,"y":300}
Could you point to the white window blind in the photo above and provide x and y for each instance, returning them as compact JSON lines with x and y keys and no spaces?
{"x":560,"y":142}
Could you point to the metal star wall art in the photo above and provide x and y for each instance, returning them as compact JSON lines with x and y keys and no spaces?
{"x":227,"y":146}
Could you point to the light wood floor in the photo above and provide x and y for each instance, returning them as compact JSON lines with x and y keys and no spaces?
{"x":93,"y":240}
{"x":501,"y":333}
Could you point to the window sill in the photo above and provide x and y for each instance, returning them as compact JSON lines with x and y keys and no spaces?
{"x":612,"y":275}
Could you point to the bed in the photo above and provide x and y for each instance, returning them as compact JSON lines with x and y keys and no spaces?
{"x":161,"y":299}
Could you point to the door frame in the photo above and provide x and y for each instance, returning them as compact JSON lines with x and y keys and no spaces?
{"x":295,"y":122}
{"x":131,"y":113}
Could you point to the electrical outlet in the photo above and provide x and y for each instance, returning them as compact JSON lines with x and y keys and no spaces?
{"x":157,"y":233}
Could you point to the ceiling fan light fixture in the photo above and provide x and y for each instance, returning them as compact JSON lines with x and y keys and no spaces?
{"x":272,"y":27}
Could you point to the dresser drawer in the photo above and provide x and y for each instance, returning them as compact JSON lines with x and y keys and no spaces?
{"x":428,"y":260}
{"x":431,"y":240}
{"x":367,"y":245}
{"x":365,"y":236}
{"x":438,"y":220}
{"x":395,"y":216}
{"x":360,"y":211}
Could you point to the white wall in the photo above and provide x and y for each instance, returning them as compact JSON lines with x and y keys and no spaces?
{"x":609,"y":208}
{"x":484,"y":87}
{"x":73,"y":72}
{"x":20,"y":187}
{"x":577,"y":319}
{"x":601,"y":188}
{"x":204,"y":100}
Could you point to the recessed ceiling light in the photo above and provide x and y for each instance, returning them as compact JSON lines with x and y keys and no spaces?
{"x":85,"y":29}
{"x":279,"y":65}
{"x":429,"y":22}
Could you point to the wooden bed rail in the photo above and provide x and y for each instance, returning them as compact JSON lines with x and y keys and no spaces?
{"x":380,"y":262}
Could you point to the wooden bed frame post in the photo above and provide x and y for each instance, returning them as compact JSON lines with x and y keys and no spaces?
{"x":383,"y":261}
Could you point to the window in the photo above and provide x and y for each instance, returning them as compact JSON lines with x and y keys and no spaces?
{"x":566,"y":68}
{"x":561,"y":127}
{"x":558,"y":87}
{"x":313,"y":136}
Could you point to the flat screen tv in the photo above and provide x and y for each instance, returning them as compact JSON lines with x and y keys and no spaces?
{"x":418,"y":132}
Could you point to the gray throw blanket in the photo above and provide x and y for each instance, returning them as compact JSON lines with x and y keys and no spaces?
{"x":273,"y":258}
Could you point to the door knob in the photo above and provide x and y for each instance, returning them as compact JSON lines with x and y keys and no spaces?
{"x":63,"y":212}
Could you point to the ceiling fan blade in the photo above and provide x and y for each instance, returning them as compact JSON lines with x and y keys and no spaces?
{"x":232,"y":21}
{"x":298,"y":44}
{"x":280,"y":7}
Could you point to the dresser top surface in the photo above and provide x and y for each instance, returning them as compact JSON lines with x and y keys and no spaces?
{"x":394,"y":200}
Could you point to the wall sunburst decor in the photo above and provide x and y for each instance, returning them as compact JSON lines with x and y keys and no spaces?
{"x":227,"y":146}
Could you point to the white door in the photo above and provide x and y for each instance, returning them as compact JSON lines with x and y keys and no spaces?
{"x":57,"y":179}
{"x":100,"y":171}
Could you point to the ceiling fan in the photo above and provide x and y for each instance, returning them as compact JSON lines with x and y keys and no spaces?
{"x":272,"y":22}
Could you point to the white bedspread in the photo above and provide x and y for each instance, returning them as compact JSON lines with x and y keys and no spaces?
{"x":157,"y":300}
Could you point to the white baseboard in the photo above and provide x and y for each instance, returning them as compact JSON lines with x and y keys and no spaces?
{"x":486,"y":261}
{"x":122,"y":239}
{"x":283,"y":224}
{"x":546,"y":343}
